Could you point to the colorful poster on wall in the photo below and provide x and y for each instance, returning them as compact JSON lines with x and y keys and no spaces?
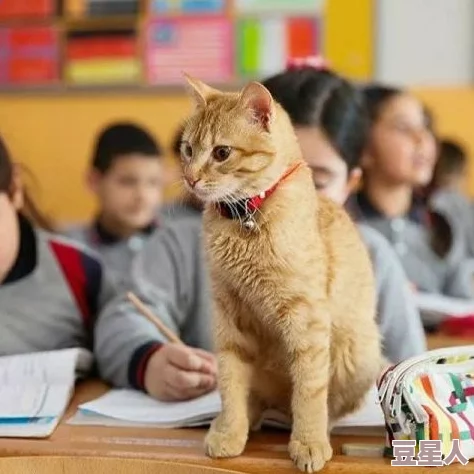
{"x":188,"y":6}
{"x":297,"y":7}
{"x":199,"y":46}
{"x":29,"y":55}
{"x":18,"y":9}
{"x":264,"y":46}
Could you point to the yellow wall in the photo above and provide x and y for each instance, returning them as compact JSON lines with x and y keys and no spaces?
{"x":348,"y":37}
{"x":53,"y":135}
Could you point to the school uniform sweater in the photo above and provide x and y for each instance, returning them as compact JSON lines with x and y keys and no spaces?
{"x":172,"y":277}
{"x":457,"y":210}
{"x":50,"y":298}
{"x":117,"y":253}
{"x":412,"y":237}
{"x":180,"y":209}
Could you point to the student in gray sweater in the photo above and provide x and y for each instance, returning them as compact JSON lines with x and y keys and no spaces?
{"x":50,"y":288}
{"x":171,"y":270}
{"x":397,"y":159}
{"x":126,"y":176}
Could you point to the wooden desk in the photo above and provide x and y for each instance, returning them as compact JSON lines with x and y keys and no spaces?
{"x":266,"y":451}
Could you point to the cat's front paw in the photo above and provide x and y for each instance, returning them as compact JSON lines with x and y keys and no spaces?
{"x":310,"y":457}
{"x":222,"y":443}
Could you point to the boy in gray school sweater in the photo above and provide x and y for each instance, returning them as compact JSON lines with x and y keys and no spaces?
{"x":126,"y":175}
{"x":171,"y":274}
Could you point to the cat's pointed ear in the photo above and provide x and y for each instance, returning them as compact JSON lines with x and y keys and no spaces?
{"x":257,"y":99}
{"x":199,"y":91}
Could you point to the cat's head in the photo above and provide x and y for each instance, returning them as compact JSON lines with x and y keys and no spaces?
{"x":232,"y":145}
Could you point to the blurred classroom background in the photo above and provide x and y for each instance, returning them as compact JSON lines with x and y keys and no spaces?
{"x":69,"y":67}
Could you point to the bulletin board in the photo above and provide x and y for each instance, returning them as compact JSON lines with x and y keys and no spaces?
{"x":87,"y":43}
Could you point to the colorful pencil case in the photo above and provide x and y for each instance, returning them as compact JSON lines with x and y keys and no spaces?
{"x":431,"y":397}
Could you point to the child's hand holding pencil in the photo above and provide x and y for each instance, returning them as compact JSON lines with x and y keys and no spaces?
{"x":179,"y":372}
{"x":176,"y":371}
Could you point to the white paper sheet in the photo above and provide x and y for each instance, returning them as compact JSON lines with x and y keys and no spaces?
{"x":131,"y":408}
{"x":37,"y":385}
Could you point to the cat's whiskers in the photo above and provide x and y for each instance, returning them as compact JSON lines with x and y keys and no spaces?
{"x":176,"y":203}
{"x":234,"y":200}
{"x":232,"y":204}
{"x":238,"y":202}
{"x":258,"y":211}
{"x":177,"y":182}
{"x":179,"y":200}
{"x":210,"y":189}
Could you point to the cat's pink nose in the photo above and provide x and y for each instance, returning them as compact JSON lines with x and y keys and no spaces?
{"x":192,"y":182}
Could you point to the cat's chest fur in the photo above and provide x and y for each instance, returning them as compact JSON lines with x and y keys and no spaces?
{"x":244,"y":262}
{"x":257,"y":265}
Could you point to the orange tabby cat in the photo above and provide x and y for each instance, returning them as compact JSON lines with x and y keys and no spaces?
{"x":292,"y":283}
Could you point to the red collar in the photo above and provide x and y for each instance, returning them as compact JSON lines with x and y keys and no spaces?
{"x":245,"y":209}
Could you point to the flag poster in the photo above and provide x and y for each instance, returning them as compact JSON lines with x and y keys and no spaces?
{"x":264,"y":45}
{"x":199,"y":46}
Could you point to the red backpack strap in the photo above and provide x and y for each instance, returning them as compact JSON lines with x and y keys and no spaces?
{"x":83,"y":273}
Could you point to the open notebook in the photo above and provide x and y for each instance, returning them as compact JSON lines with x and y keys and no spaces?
{"x":132,"y":408}
{"x":35,"y":390}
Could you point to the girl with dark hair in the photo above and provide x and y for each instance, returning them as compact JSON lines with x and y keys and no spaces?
{"x":401,"y":147}
{"x":398,"y":159}
{"x":50,"y":289}
{"x":331,"y":122}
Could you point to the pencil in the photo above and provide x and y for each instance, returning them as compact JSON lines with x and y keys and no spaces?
{"x":170,"y":335}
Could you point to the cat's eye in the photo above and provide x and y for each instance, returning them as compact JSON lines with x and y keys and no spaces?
{"x":221,"y":153}
{"x":186,"y":150}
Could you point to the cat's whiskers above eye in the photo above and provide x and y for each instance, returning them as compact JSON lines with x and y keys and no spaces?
{"x":177,"y":203}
